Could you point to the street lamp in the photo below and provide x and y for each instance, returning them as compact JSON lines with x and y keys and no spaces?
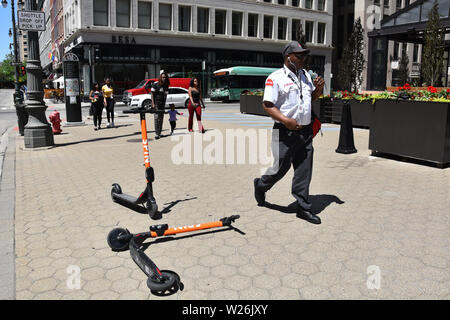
{"x":22,"y":116}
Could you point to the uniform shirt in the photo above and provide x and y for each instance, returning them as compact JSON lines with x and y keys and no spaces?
{"x":107,"y":91}
{"x":285,"y":90}
{"x":160,"y":94}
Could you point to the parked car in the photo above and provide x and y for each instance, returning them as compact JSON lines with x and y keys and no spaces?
{"x":145,"y":86}
{"x":178,"y":96}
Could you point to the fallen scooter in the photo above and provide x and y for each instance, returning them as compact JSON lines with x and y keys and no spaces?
{"x":146,"y":198}
{"x":160,"y":282}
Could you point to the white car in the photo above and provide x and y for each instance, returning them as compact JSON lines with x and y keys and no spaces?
{"x":178,"y":96}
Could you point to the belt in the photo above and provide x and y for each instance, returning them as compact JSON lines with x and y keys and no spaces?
{"x":280,"y":126}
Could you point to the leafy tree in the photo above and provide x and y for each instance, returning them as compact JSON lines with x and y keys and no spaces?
{"x":404,"y":67}
{"x":7,"y":72}
{"x":352,"y":63}
{"x":433,"y":51}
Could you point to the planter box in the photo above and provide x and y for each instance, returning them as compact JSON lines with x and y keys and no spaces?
{"x":361,"y":112}
{"x":252,"y":105}
{"x":414,"y":129}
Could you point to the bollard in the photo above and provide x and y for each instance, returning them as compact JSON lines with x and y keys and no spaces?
{"x":346,"y":142}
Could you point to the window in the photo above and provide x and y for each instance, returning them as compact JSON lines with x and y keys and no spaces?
{"x":295,"y":29}
{"x":281,"y":1}
{"x":396,"y":50}
{"x":101,"y":13}
{"x":165,"y":16}
{"x":236,"y":27}
{"x":309,"y":30}
{"x":308,"y":4}
{"x":221,"y":21}
{"x":416,"y":53}
{"x":268,"y":27}
{"x":321,"y":28}
{"x":321,"y":5}
{"x":282,"y":28}
{"x":123,"y":13}
{"x":144,"y":15}
{"x":252,"y":25}
{"x":295,"y":3}
{"x":203,"y":20}
{"x":398,"y":4}
{"x":184,"y":18}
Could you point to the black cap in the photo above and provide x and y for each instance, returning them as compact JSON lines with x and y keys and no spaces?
{"x":294,"y":47}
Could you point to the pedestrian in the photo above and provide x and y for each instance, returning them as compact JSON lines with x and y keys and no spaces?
{"x":288,"y":94}
{"x":173,"y":117}
{"x":195,"y":104}
{"x":108,"y":101}
{"x":96,"y":97}
{"x":159,"y":91}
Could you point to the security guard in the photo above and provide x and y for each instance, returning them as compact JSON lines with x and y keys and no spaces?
{"x":287,"y":99}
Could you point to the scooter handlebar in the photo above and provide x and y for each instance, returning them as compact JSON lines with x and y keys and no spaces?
{"x":228,"y":220}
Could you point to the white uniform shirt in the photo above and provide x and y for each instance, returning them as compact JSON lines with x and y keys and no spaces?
{"x":285,"y":90}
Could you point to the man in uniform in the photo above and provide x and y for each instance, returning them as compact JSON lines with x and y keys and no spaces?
{"x":288,"y":94}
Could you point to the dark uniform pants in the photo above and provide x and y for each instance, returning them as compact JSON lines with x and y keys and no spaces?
{"x":291,"y":147}
{"x":159,"y":117}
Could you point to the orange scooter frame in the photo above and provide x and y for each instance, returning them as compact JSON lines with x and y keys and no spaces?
{"x":160,"y":282}
{"x":146,"y":198}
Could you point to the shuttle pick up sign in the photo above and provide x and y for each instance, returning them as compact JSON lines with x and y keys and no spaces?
{"x":31,"y":20}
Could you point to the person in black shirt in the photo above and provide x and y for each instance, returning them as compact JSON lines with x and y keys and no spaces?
{"x":160,"y":89}
{"x":195,"y":105}
{"x":96,"y":97}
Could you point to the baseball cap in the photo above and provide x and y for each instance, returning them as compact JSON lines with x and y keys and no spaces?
{"x":294,"y":47}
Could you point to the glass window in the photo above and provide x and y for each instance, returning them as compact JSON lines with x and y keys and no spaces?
{"x":321,"y":28}
{"x":252,"y":25}
{"x":321,"y":5}
{"x":221,"y":21}
{"x":308,"y":4}
{"x":295,"y":29}
{"x":309,"y":30}
{"x":416,"y":53}
{"x":268,"y":27}
{"x":123,"y":13}
{"x":281,"y":1}
{"x":236,"y":27}
{"x":295,"y":3}
{"x":101,"y":13}
{"x":144,"y":15}
{"x":184,"y":18}
{"x":282,"y":28}
{"x":203,"y":20}
{"x":165,"y":16}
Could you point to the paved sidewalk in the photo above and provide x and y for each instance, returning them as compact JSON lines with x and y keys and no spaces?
{"x":378,"y":215}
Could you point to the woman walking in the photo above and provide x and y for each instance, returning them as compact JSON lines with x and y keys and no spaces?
{"x":160,"y":89}
{"x":108,"y":94}
{"x":96,"y":97}
{"x":195,"y":105}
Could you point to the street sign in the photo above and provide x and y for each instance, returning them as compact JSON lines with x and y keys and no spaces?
{"x":31,"y":20}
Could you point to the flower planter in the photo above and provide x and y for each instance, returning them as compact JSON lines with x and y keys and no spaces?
{"x":413,"y":129}
{"x":361,"y":112}
{"x":322,"y":109}
{"x":252,"y":105}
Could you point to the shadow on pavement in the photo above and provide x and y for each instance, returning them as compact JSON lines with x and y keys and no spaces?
{"x":94,"y":140}
{"x":319,"y":203}
{"x":172,"y":204}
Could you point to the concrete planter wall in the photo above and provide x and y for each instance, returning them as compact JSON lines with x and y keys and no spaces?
{"x":414,"y":129}
{"x":361,"y":112}
{"x":323,"y":109}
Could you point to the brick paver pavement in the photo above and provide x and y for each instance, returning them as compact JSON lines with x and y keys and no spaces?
{"x":374,"y":211}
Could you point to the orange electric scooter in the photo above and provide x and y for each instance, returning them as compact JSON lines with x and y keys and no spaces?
{"x":146,"y":199}
{"x":160,"y":282}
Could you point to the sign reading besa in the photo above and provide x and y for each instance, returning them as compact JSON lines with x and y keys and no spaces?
{"x":31,"y":20}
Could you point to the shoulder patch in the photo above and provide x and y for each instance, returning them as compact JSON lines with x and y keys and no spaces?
{"x":269,"y":82}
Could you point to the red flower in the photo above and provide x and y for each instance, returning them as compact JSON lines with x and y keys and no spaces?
{"x":448,"y":90}
{"x":432,"y":89}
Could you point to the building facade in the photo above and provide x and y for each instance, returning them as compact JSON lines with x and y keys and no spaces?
{"x":129,"y":40}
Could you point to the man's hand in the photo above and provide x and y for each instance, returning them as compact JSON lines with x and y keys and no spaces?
{"x":319,"y":83}
{"x":291,"y":124}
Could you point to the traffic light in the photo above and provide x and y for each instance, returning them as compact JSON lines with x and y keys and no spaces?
{"x":97,"y":55}
{"x":23,"y":70}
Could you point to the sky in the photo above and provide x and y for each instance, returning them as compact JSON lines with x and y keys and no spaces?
{"x":5,"y":24}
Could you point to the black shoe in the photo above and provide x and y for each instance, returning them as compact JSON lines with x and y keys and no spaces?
{"x":260,"y":196}
{"x":308,"y":216}
{"x":157,"y":137}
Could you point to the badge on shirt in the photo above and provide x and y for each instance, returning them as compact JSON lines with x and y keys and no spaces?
{"x":269,"y":83}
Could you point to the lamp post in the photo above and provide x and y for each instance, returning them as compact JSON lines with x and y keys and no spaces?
{"x":22,"y":115}
{"x":38,"y":132}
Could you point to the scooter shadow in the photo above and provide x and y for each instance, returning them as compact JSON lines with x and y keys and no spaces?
{"x":319,"y":203}
{"x":140,"y":209}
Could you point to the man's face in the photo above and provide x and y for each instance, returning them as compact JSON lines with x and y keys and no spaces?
{"x":298,"y":59}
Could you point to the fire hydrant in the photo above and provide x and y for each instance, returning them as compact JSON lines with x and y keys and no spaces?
{"x":56,"y":122}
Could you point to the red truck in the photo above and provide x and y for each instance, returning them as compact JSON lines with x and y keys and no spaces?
{"x":146,"y":85}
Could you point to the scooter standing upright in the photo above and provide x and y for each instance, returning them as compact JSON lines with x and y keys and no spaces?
{"x":146,"y":198}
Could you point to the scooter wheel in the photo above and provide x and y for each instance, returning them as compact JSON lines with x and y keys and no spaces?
{"x":116,"y":189}
{"x":116,"y":243}
{"x":171,"y":284}
{"x":152,"y":209}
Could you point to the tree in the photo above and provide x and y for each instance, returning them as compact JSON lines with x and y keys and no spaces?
{"x":352,"y":64}
{"x":404,"y":67}
{"x":7,"y":70}
{"x":433,"y":51}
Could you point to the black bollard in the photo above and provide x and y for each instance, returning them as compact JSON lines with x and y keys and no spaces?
{"x":346,"y":142}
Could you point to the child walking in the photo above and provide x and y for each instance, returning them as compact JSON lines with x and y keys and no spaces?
{"x":173,"y":117}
